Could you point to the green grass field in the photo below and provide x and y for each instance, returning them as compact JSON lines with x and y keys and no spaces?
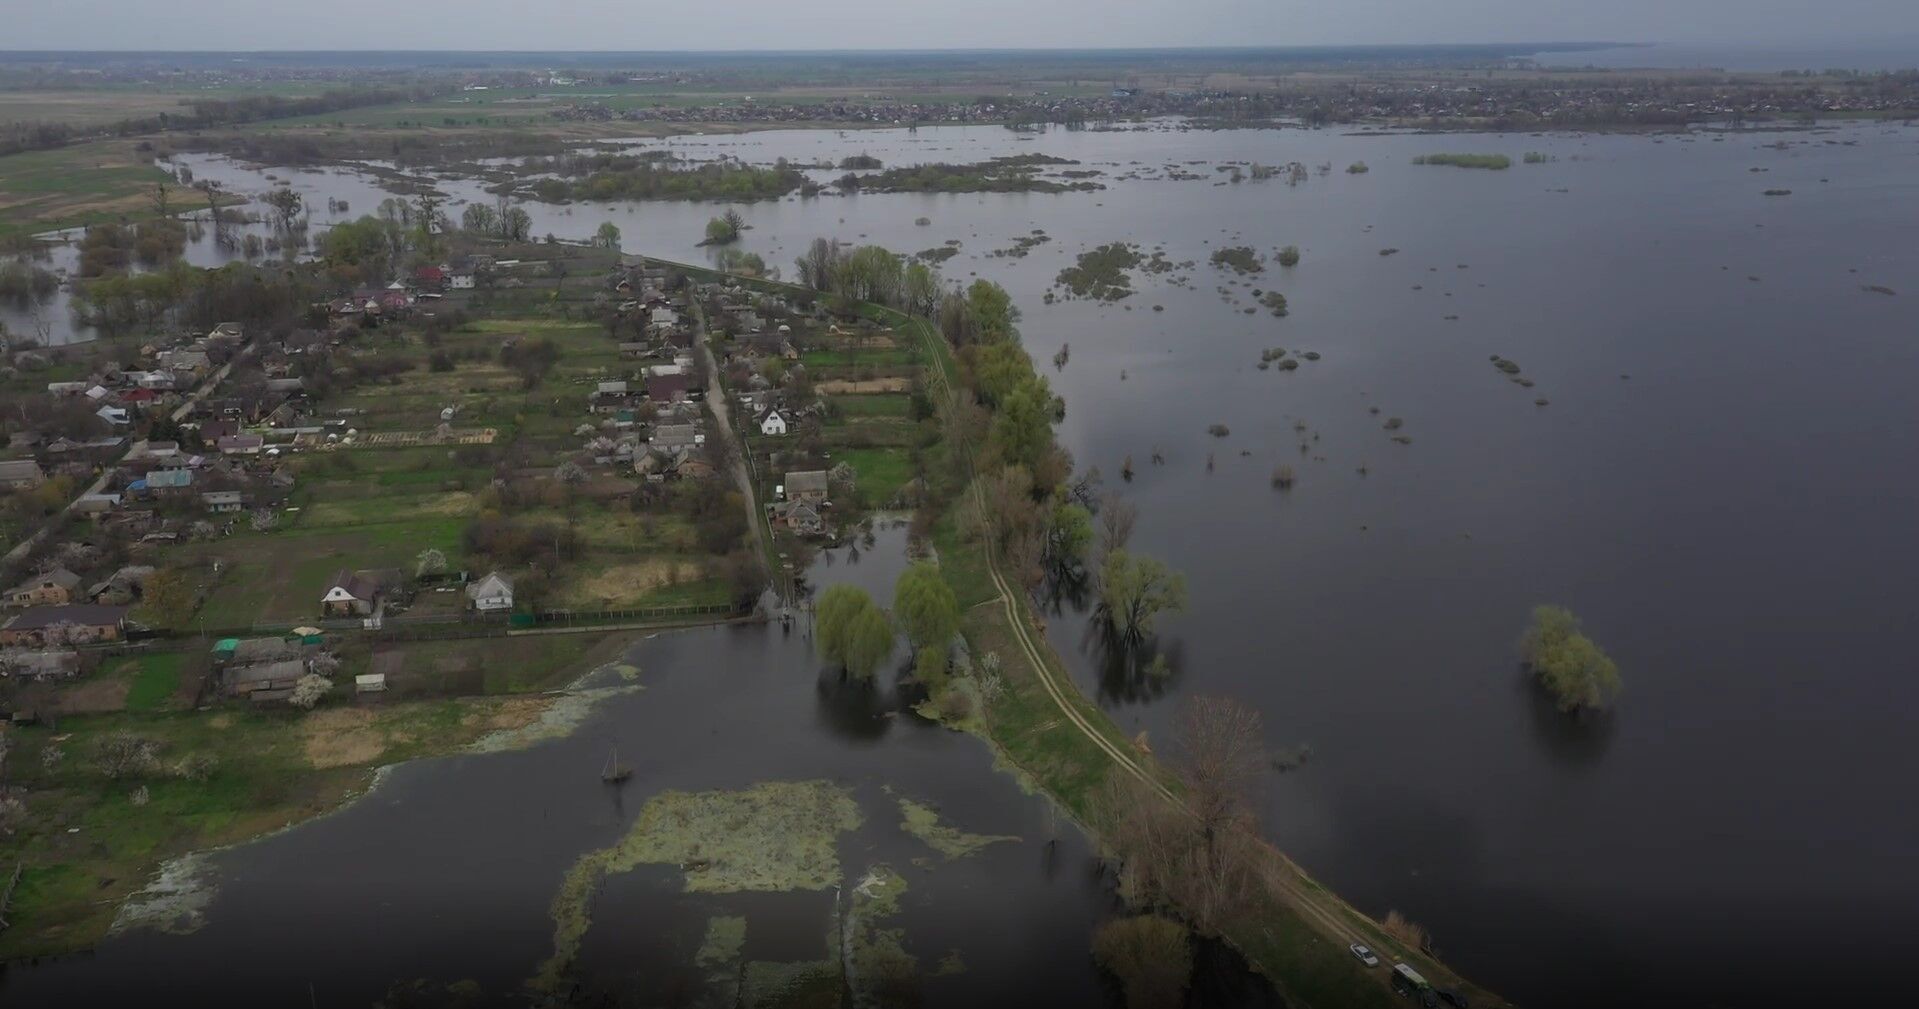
{"x":881,"y":472}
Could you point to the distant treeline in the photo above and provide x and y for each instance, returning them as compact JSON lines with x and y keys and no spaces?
{"x":210,"y":112}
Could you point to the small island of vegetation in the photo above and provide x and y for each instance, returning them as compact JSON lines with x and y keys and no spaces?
{"x":1580,"y":676}
{"x":1493,"y":161}
{"x":1011,"y":174}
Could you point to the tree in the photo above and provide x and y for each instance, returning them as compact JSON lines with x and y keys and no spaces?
{"x":123,"y":755}
{"x":1116,"y":520}
{"x":308,"y":690}
{"x":1135,"y":590}
{"x":211,"y":189}
{"x":1069,"y":536}
{"x":922,"y":293}
{"x":480,"y":219}
{"x":608,"y":237}
{"x":516,"y":225}
{"x":1022,"y":430}
{"x":1578,"y":674}
{"x":1218,"y":754}
{"x":852,"y":631}
{"x":925,"y":606}
{"x":429,"y":562}
{"x":286,"y":205}
{"x":1151,"y":956}
{"x":720,"y":231}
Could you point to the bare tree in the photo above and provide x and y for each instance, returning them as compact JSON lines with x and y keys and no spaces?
{"x":1200,"y":857}
{"x":1218,"y":755}
{"x":1116,"y":520}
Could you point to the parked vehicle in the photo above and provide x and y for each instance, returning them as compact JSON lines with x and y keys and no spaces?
{"x":1365,"y":955}
{"x":1453,"y":998}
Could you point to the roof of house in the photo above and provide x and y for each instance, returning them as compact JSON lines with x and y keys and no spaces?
{"x":806,"y":480}
{"x":266,"y":672}
{"x":220,"y":496}
{"x":251,"y":650}
{"x":666,"y":385}
{"x":84,"y":614}
{"x":170,"y":478}
{"x":241,"y":441}
{"x":58,"y":576}
{"x":475,"y":590}
{"x":20,"y":469}
{"x":357,"y":585}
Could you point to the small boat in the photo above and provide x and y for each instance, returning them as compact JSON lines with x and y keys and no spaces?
{"x":613,"y":773}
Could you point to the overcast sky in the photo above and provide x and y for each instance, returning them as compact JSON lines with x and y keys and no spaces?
{"x":928,"y":24}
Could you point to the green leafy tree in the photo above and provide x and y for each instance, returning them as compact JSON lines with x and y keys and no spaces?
{"x":1578,"y":674}
{"x":1133,"y":591}
{"x":608,"y":237}
{"x":925,"y":606}
{"x":1022,"y":428}
{"x":1069,"y":537}
{"x":852,"y":631}
{"x":993,"y":312}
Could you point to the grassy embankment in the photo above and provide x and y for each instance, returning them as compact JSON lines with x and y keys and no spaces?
{"x":1295,"y":932}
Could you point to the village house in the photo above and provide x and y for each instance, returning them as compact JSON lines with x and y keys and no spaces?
{"x":55,"y":588}
{"x":264,"y":681}
{"x":773,"y":423}
{"x":71,"y":624}
{"x":20,"y":474}
{"x":492,"y":594}
{"x":352,"y":594}
{"x":673,"y":437}
{"x":241,"y":444}
{"x":120,"y":588}
{"x":668,"y":388}
{"x":799,"y":516}
{"x":222,"y":501}
{"x":46,"y":664}
{"x":806,"y":485}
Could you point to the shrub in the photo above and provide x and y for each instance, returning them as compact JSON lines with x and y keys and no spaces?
{"x":1357,"y":168}
{"x":1579,"y":675}
{"x":1151,"y":956}
{"x":1283,"y":478}
{"x":1289,"y":256}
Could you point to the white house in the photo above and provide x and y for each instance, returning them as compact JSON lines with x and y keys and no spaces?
{"x":491,"y":594}
{"x":773,"y":423}
{"x":460,"y":280}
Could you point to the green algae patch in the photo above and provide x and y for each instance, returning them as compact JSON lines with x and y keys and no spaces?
{"x":923,"y":822}
{"x":879,"y":970}
{"x":725,"y":937}
{"x":803,"y":984}
{"x":778,"y":835}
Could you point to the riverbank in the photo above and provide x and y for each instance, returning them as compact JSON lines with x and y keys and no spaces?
{"x":223,"y":776}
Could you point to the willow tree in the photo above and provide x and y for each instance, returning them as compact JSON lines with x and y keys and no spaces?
{"x":925,"y":606}
{"x":853,"y":632}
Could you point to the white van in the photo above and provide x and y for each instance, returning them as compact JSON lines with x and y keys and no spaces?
{"x":1410,"y":975}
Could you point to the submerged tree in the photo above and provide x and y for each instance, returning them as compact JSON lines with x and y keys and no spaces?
{"x":1580,"y":676}
{"x":608,"y":237}
{"x":1151,"y":956}
{"x":852,"y":631}
{"x":1133,"y":591}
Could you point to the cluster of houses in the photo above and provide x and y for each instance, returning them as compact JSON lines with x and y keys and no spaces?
{"x":400,"y":297}
{"x":120,"y":396}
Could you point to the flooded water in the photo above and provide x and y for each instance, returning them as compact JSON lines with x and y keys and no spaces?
{"x":1721,"y":485}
